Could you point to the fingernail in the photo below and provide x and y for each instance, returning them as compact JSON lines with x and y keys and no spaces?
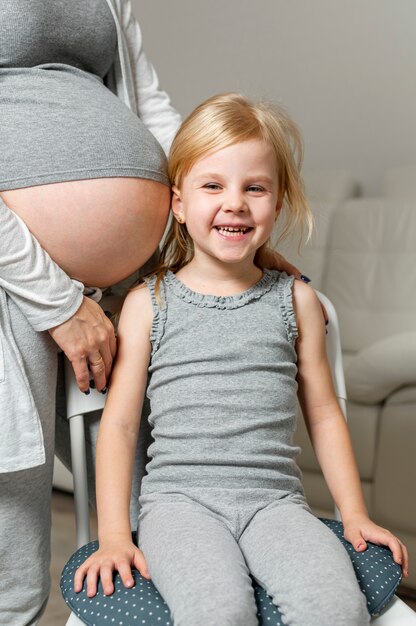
{"x":305,"y":278}
{"x":87,"y":393}
{"x":326,"y":322}
{"x":103,"y":391}
{"x":92,"y":384}
{"x":360,"y":545}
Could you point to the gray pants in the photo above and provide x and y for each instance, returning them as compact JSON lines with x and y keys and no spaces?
{"x":200,"y":560}
{"x":25,"y":496}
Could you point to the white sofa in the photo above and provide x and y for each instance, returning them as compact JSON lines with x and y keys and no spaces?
{"x":363,"y":257}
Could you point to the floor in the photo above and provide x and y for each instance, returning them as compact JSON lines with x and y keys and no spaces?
{"x":63,"y":545}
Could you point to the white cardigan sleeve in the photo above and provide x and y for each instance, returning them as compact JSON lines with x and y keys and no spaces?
{"x":43,"y":292}
{"x":153,"y":104}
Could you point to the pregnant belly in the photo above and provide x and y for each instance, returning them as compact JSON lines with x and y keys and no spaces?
{"x":98,"y":231}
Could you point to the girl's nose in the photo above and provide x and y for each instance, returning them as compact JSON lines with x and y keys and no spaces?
{"x":235,"y":202}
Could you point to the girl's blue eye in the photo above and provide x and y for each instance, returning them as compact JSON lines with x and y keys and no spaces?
{"x":212,"y":186}
{"x":255,"y":188}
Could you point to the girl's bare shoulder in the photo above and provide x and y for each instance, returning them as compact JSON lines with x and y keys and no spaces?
{"x":137,"y":308}
{"x":308,"y":310}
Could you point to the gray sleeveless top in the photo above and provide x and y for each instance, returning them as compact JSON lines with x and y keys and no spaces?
{"x":58,"y":120}
{"x":222,"y":388}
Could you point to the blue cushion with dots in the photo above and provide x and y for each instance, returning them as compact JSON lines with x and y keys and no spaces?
{"x":377,"y":574}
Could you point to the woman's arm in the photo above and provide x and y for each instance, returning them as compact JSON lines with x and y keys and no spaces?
{"x":117,"y":440}
{"x":44,"y":293}
{"x":153,"y":104}
{"x":328,"y":429}
{"x":51,"y":300}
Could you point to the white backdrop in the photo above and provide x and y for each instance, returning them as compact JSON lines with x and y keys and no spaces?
{"x":344,"y":69}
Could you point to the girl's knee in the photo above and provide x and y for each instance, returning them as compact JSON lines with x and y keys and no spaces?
{"x":324,"y":605}
{"x":346,"y":608}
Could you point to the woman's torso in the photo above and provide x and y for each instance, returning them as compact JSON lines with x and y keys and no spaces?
{"x":223,"y":390}
{"x":77,"y":164}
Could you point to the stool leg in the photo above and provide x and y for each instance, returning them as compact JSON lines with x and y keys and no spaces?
{"x":79,"y":471}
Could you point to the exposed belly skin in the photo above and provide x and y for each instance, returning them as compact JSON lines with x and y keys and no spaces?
{"x":98,"y":231}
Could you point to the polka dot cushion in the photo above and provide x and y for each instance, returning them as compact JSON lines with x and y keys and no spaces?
{"x":377,"y":574}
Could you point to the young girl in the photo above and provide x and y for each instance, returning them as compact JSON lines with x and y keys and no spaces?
{"x":224,"y":348}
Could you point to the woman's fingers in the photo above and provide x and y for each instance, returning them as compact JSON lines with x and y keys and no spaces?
{"x":81,"y":372}
{"x":88,"y":341}
{"x":98,"y":370}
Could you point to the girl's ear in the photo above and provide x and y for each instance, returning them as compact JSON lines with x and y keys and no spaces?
{"x":177,"y":208}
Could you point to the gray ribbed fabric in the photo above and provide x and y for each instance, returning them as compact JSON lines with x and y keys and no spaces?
{"x":77,"y":33}
{"x":223,"y":389}
{"x":58,"y":120}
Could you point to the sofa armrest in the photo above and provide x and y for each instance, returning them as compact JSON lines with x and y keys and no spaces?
{"x":379,"y":370}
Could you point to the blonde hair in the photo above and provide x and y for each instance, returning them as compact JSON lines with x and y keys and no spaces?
{"x":217,"y":123}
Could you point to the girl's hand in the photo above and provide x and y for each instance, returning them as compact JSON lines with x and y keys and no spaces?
{"x":361,"y":529}
{"x":114,"y":555}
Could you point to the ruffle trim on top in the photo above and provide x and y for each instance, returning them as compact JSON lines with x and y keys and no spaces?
{"x":285,"y":295}
{"x":235,"y":301}
{"x":159,"y":311}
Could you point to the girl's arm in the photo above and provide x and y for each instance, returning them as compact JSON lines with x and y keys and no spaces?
{"x":328,"y":429}
{"x":117,"y":440}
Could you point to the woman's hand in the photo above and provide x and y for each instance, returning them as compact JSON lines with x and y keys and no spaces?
{"x":88,"y":341}
{"x":361,"y":529}
{"x":275,"y":261}
{"x":115,"y":554}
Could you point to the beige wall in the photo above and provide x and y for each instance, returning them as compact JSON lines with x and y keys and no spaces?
{"x":345,"y":69}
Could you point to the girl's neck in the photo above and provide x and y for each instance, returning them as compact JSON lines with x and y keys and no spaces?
{"x":219,"y":280}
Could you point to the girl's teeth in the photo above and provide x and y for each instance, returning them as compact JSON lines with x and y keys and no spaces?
{"x":229,"y":230}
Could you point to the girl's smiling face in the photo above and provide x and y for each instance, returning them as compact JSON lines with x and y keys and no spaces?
{"x":229,"y":201}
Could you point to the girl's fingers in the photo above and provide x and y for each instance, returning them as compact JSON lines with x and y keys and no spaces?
{"x":357,"y":540}
{"x":141,"y":565}
{"x":125,"y":573}
{"x":104,"y":569}
{"x":405,"y":560}
{"x":92,"y":577}
{"x":399,"y":553}
{"x":398,"y":549}
{"x":79,"y":577}
{"x":106,"y":575}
